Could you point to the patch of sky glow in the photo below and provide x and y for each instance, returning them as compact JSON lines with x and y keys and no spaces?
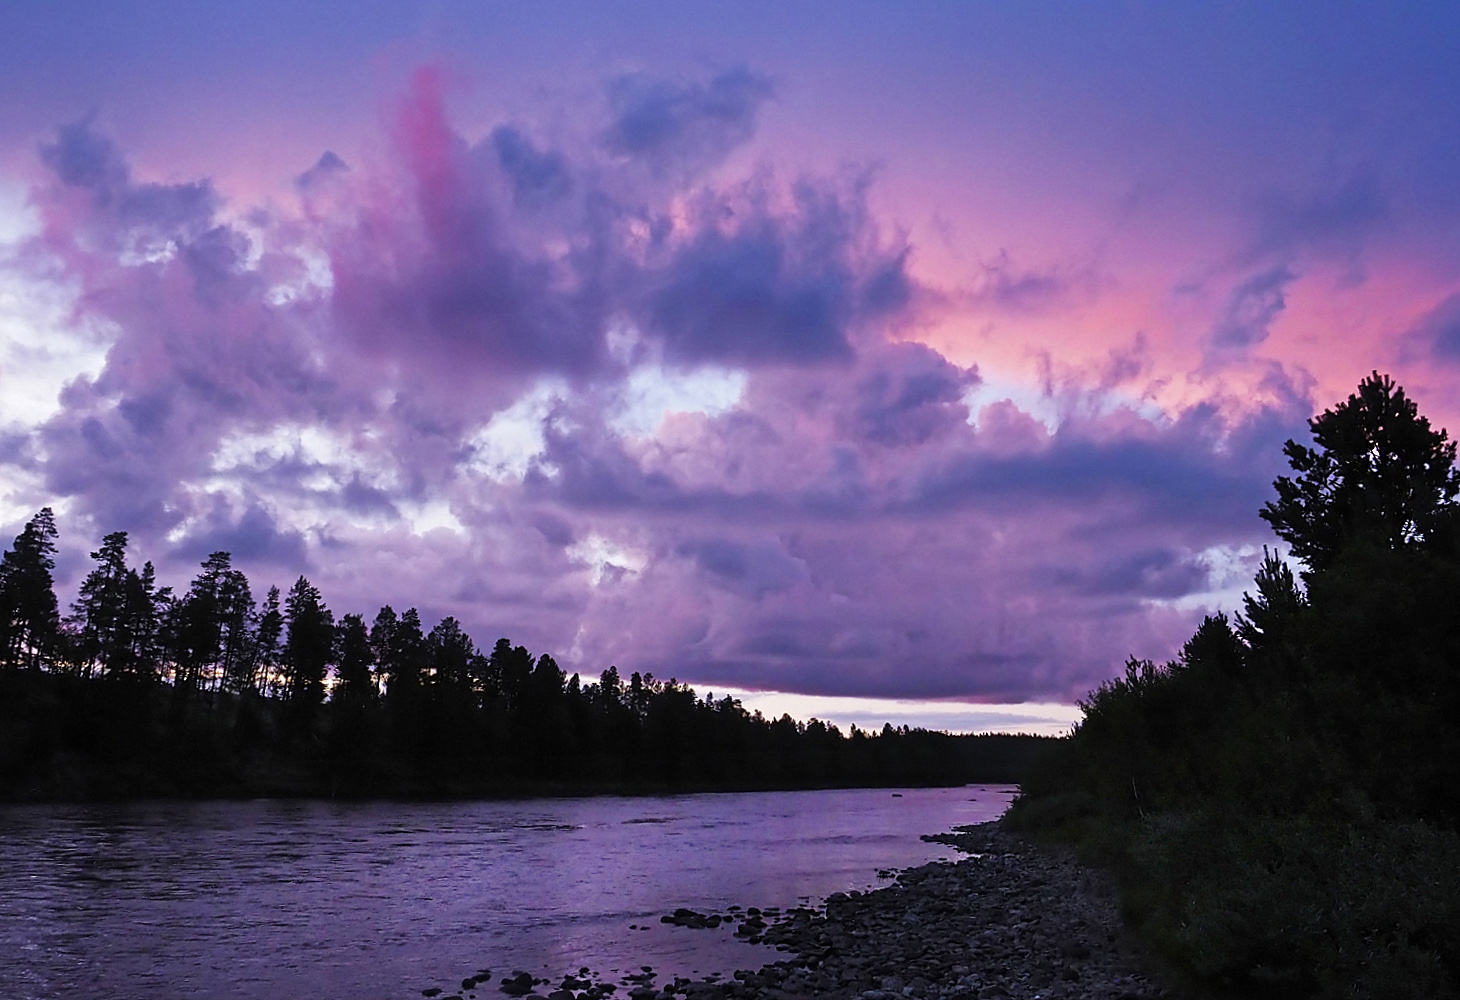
{"x":1052,"y":410}
{"x":509,"y":445}
{"x":325,"y":457}
{"x":622,"y":341}
{"x":41,"y":347}
{"x":22,"y":493}
{"x":651,"y":393}
{"x":606,"y":560}
{"x":1028,"y":398}
{"x":315,"y":279}
{"x":431,"y":515}
{"x":299,"y":472}
{"x":145,"y":248}
{"x":1045,"y":719}
{"x":18,"y":217}
{"x":1230,"y":572}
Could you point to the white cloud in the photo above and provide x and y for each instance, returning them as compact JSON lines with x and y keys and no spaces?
{"x":651,"y":393}
{"x":514,"y":440}
{"x":606,"y":560}
{"x":42,"y":348}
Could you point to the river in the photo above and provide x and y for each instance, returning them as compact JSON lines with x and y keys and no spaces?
{"x":278,"y":899}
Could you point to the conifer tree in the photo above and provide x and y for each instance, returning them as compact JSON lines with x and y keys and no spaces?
{"x":357,"y":682}
{"x":29,"y":617}
{"x":100,"y":613}
{"x":309,"y":642}
{"x":1379,"y":475}
{"x":265,"y":665}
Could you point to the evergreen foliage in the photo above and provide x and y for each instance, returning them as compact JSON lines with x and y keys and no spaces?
{"x":140,"y":692}
{"x":1282,"y":801}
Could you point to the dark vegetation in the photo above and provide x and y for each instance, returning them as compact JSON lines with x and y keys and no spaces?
{"x":1281,"y":802}
{"x":141,"y":692}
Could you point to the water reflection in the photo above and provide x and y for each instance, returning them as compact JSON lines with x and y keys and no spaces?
{"x":274,"y":899}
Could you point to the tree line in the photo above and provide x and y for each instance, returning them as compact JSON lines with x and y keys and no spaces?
{"x":143,"y":691}
{"x":1282,"y":800}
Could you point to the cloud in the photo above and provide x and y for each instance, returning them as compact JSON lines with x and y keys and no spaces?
{"x":328,"y":167}
{"x":537,"y":177}
{"x":1332,"y":222}
{"x":1252,"y":307}
{"x":683,"y":126}
{"x":600,"y":398}
{"x":751,"y":568}
{"x":1437,"y":335}
{"x":753,"y":284}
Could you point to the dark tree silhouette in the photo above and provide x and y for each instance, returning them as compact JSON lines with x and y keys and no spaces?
{"x":1269,"y":616}
{"x":1379,"y":474}
{"x":29,"y":617}
{"x":309,"y":644}
{"x":356,"y":680}
{"x":266,"y":644}
{"x":100,"y":613}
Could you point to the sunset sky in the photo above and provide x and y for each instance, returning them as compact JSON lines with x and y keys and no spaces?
{"x":909,"y":361}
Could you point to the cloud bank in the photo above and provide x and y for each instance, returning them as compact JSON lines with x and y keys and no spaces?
{"x":615,"y":403}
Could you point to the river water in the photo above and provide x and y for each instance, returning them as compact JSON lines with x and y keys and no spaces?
{"x":278,"y":899}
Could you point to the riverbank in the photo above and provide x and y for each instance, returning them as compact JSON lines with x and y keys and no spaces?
{"x":1008,"y":920}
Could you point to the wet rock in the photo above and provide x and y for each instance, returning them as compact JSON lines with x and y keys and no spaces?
{"x":518,"y":985}
{"x":1008,"y":921}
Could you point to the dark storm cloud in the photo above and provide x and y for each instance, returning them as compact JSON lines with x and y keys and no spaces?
{"x":252,"y":538}
{"x":1159,"y":572}
{"x":900,"y":407}
{"x":1327,"y":222}
{"x":1251,"y":309}
{"x":1437,"y":335}
{"x":537,"y":176}
{"x":752,"y":568}
{"x":329,"y":165}
{"x":768,"y":286}
{"x":1171,"y":478}
{"x":750,"y":277}
{"x":673,"y":125}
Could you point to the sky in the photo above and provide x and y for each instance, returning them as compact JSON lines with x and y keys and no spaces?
{"x":917,"y":362}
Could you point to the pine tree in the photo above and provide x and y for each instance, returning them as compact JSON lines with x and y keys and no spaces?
{"x":29,"y":616}
{"x":1380,"y":475}
{"x":100,"y":612}
{"x":357,"y":682}
{"x":309,"y":641}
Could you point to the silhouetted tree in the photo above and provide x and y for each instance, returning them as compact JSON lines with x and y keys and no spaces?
{"x":356,"y":680}
{"x":237,"y":621}
{"x":29,"y":618}
{"x":449,"y":655}
{"x":101,"y":611}
{"x":1269,"y":616}
{"x":309,"y":642}
{"x":195,"y":626}
{"x":1379,"y":474}
{"x":270,"y":632}
{"x":147,"y":606}
{"x":508,"y":669}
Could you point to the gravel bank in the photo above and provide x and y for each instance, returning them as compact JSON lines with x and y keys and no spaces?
{"x":1006,"y":921}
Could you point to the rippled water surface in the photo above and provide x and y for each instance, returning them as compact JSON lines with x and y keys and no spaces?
{"x":324,"y":900}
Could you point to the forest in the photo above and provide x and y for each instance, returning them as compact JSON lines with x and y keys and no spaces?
{"x":139,"y":691}
{"x":1280,"y":802}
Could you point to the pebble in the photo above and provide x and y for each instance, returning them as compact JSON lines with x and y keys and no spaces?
{"x":1010,"y":921}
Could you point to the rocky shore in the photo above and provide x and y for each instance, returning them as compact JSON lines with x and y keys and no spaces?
{"x":1006,"y":921}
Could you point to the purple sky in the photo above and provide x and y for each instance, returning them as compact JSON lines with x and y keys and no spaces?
{"x":931,"y":352}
